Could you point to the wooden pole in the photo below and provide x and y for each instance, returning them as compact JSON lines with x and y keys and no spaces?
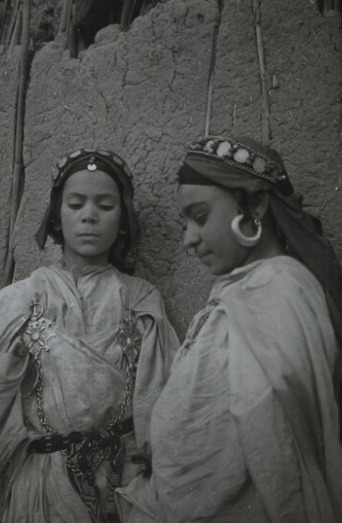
{"x":65,"y":18}
{"x":12,"y":23}
{"x":211,"y":78}
{"x":127,"y":14}
{"x":15,"y":36}
{"x":18,"y":175}
{"x":265,"y":121}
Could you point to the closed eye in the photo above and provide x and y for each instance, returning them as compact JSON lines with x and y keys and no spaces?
{"x":197,"y":212}
{"x":200,"y":219}
{"x":75,"y":206}
{"x":106,"y":207}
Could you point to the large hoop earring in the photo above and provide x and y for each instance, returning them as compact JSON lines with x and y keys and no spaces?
{"x":242,"y":239}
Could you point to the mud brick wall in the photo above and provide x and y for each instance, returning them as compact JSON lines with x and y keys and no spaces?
{"x":143,"y":93}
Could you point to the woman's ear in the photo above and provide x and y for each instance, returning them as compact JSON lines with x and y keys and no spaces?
{"x":258,"y":204}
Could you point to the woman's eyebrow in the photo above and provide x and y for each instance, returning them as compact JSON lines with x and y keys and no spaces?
{"x":74,"y":194}
{"x":96,"y":196}
{"x":106,"y":195}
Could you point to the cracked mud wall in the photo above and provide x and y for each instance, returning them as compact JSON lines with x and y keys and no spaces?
{"x":143,"y":93}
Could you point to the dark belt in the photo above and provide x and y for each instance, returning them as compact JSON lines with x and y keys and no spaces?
{"x":56,"y":442}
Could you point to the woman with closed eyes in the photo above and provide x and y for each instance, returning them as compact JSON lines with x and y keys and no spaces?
{"x":85,"y":350}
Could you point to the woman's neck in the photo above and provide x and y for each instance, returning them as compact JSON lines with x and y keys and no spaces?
{"x":268,"y":247}
{"x":77,"y":265}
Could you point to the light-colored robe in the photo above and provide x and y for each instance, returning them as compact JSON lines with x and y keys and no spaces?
{"x":84,"y":378}
{"x":246,"y":429}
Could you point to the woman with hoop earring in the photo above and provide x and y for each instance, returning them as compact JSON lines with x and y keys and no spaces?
{"x":247,"y":426}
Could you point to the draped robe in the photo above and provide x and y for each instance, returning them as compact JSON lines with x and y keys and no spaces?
{"x":246,"y":429}
{"x":84,"y":378}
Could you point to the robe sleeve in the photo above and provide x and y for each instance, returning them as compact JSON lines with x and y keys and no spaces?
{"x":158,"y":347}
{"x":280,"y":320}
{"x":14,"y":312}
{"x":267,"y":442}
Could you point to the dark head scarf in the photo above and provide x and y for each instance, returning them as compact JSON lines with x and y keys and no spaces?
{"x":94,"y":160}
{"x":243,"y":163}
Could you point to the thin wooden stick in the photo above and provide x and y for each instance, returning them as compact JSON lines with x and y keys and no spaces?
{"x":16,"y":36}
{"x":4,"y":22}
{"x":265,"y":116}
{"x":72,"y":35}
{"x":211,"y":78}
{"x":65,"y":18}
{"x":18,"y":177}
{"x":12,"y":23}
{"x":209,"y":104}
{"x":330,"y":5}
{"x":127,"y":13}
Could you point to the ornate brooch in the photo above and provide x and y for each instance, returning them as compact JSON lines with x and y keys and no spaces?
{"x":130,"y":339}
{"x":38,"y":332}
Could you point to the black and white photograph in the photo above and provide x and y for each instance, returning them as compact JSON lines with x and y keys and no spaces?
{"x":170,"y":261}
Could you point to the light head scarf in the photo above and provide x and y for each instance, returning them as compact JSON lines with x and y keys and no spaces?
{"x":94,"y":160}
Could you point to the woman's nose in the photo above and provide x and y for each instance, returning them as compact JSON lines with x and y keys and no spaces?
{"x":89,"y":214}
{"x":191,"y":237}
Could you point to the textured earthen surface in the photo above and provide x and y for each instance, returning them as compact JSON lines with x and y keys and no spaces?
{"x":236,"y":101}
{"x":305,"y":103}
{"x":9,"y":78}
{"x":143,"y":93}
{"x":45,"y":17}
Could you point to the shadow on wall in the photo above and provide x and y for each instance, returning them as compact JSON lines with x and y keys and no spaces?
{"x":81,"y":19}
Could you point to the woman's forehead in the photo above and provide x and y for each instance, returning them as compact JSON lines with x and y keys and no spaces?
{"x":190,"y":195}
{"x":196,"y":191}
{"x":94,"y":183}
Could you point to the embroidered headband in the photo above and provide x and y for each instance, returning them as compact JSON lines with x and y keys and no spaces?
{"x":228,"y":156}
{"x":93,"y":160}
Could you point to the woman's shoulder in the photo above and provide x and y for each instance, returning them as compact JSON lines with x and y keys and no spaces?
{"x":141,"y":293}
{"x":137,"y":283}
{"x":275,"y":280}
{"x":15,"y":289}
{"x":278,"y":270}
{"x":276,"y":299}
{"x":26,"y":286}
{"x":16,"y":299}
